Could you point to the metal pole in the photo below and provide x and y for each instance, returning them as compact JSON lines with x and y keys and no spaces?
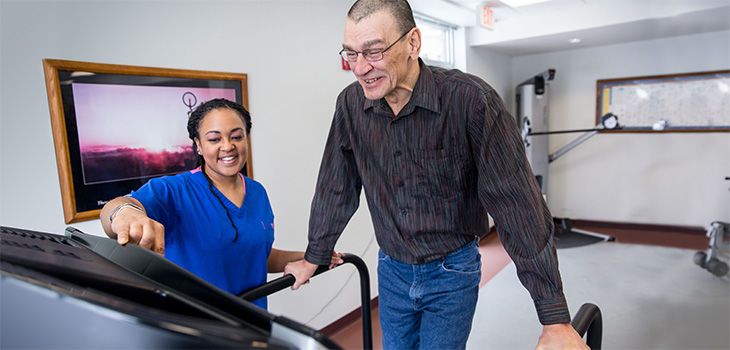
{"x":571,"y":145}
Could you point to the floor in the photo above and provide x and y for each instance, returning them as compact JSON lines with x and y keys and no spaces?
{"x":651,"y":295}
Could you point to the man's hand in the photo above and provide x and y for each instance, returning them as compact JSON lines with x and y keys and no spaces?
{"x":302,"y":270}
{"x":560,"y":336}
{"x":336,"y":260}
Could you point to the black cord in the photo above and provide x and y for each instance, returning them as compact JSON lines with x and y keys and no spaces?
{"x":210,"y":187}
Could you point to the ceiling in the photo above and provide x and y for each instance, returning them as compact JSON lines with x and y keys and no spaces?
{"x":549,"y":26}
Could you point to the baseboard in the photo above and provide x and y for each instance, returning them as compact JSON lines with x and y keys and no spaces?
{"x":347,"y":320}
{"x":691,"y":230}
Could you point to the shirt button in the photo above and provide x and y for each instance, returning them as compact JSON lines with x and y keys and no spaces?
{"x":404,"y":212}
{"x":397,"y":153}
{"x":401,"y":184}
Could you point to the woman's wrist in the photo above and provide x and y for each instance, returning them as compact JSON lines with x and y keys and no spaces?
{"x":121,"y":207}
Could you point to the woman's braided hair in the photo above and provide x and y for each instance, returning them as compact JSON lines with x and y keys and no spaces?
{"x":194,"y":120}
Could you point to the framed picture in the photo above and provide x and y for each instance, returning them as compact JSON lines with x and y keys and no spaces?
{"x":115,"y":126}
{"x":689,"y":102}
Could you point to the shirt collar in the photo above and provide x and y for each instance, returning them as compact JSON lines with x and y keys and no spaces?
{"x":425,"y":93}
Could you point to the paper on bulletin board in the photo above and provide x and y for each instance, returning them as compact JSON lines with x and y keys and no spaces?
{"x":686,"y":102}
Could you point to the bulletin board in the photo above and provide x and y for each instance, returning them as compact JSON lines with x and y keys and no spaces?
{"x":687,"y":102}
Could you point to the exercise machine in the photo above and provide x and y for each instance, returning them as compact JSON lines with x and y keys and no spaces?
{"x":718,"y":250}
{"x":532,"y":100}
{"x":88,"y":292}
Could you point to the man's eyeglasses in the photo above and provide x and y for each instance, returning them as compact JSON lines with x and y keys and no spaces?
{"x":370,"y":55}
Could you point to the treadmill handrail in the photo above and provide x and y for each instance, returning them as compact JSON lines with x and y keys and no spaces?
{"x":274,"y":286}
{"x":286,"y":281}
{"x":589,"y":323}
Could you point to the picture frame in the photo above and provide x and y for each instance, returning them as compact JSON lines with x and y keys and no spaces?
{"x":117,"y":126}
{"x":686,"y":102}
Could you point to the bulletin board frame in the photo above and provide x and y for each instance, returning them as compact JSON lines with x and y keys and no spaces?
{"x":688,"y":102}
{"x":90,"y":102}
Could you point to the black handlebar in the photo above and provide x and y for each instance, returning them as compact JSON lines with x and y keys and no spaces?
{"x":588,"y":322}
{"x":287,"y":281}
{"x":273,"y":286}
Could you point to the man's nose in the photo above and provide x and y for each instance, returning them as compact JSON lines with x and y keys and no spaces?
{"x":361,"y":66}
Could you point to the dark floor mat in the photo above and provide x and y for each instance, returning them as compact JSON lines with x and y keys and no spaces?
{"x":571,"y":239}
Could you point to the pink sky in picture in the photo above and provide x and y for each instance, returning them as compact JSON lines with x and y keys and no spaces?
{"x":135,"y":116}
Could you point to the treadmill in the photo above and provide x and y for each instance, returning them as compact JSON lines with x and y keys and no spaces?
{"x":78,"y":291}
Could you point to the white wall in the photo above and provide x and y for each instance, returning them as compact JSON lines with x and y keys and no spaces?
{"x":287,"y":48}
{"x":663,"y":179}
{"x":668,"y":178}
{"x":494,"y":68}
{"x":289,"y":51}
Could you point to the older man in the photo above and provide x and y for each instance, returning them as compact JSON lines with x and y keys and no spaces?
{"x":436,"y":151}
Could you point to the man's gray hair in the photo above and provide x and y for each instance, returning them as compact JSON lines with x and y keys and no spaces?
{"x":399,"y":9}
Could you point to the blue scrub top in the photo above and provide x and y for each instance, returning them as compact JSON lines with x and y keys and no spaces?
{"x":199,"y":236}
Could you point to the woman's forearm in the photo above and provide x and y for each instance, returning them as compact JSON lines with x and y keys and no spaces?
{"x":279,"y":258}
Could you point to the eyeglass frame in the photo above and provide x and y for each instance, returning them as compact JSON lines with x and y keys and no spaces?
{"x":366,"y":52}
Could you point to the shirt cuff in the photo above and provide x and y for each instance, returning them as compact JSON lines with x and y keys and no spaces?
{"x":552,"y":311}
{"x":317,"y":258}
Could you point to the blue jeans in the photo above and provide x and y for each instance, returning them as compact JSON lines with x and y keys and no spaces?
{"x":429,"y":306}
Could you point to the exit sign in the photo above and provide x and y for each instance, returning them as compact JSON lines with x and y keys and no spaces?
{"x":487,"y":17}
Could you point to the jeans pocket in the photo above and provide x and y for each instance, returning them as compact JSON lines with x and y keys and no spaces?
{"x":464,"y":261}
{"x":382,"y":257}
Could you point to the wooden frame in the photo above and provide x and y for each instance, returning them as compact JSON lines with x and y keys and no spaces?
{"x":117,"y":126}
{"x":690,"y":102}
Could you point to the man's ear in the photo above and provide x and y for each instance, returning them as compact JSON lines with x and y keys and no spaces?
{"x":415,"y":43}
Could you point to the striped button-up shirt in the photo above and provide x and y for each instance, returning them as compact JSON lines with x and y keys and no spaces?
{"x":431,"y":175}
